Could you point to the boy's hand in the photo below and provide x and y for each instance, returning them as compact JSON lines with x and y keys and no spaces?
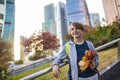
{"x":56,"y":71}
{"x":92,"y":65}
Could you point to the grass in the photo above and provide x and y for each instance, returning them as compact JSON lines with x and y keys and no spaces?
{"x":19,"y":76}
{"x":106,"y":57}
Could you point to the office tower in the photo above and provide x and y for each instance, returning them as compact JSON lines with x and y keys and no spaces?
{"x":77,"y":11}
{"x":22,"y":47}
{"x":95,"y":19}
{"x":112,"y":9}
{"x":61,"y":22}
{"x":8,"y":20}
{"x":49,"y":24}
{"x":8,"y":31}
{"x":2,"y":15}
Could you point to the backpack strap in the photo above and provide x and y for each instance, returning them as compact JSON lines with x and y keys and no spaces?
{"x":67,"y":50}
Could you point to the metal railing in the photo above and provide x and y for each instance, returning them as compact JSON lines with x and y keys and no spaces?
{"x":39,"y":73}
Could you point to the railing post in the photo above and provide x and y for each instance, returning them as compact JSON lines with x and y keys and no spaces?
{"x":119,"y":50}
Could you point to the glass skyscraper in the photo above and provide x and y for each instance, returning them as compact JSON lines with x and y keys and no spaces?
{"x":8,"y":29}
{"x":77,"y":11}
{"x":95,"y":19}
{"x":49,"y":15}
{"x":61,"y":22}
{"x":2,"y":15}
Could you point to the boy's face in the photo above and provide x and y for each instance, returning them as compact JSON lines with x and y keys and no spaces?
{"x":75,"y":32}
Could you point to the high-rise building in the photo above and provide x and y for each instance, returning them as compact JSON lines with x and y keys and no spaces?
{"x":112,"y":10}
{"x":77,"y":11}
{"x":61,"y":22}
{"x":22,"y":48}
{"x":2,"y":16}
{"x":95,"y":19}
{"x":8,"y":29}
{"x":49,"y":14}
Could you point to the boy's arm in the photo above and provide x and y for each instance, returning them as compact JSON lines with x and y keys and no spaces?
{"x":96,"y":60}
{"x":55,"y":66}
{"x":62,"y":55}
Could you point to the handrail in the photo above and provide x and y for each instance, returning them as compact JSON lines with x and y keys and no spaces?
{"x":39,"y":73}
{"x":42,"y":72}
{"x":107,"y":44}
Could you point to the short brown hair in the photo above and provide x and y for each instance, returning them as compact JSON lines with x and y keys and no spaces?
{"x":78,"y":25}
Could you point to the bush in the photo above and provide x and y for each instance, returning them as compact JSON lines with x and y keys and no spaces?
{"x":102,"y":35}
{"x":19,"y":62}
{"x":3,"y":74}
{"x":37,"y":56}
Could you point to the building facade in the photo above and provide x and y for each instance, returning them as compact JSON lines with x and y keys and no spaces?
{"x":49,"y":15}
{"x":95,"y":19}
{"x":61,"y":22}
{"x":8,"y":29}
{"x":112,"y":10}
{"x":2,"y":16}
{"x":77,"y":11}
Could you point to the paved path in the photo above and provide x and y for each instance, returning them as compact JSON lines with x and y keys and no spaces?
{"x":30,"y":65}
{"x":113,"y":73}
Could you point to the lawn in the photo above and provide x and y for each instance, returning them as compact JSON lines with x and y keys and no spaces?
{"x":106,"y":57}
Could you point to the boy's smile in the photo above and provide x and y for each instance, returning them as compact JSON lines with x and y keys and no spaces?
{"x":76,"y":33}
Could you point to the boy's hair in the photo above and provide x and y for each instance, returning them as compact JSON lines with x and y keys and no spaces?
{"x":78,"y":25}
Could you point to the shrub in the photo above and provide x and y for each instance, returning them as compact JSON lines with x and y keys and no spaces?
{"x":19,"y":62}
{"x":37,"y":56}
{"x":102,"y":35}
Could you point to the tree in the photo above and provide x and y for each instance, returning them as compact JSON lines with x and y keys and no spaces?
{"x":40,"y":41}
{"x":49,"y":41}
{"x":5,"y":57}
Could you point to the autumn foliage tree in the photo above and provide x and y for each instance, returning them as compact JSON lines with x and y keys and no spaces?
{"x":40,"y":41}
{"x":49,"y":41}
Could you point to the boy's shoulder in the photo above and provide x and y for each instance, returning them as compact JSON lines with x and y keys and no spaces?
{"x":69,"y":42}
{"x":88,"y":41}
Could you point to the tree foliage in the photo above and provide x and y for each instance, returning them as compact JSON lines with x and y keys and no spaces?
{"x":49,"y":41}
{"x":40,"y":41}
{"x":102,"y":35}
{"x":5,"y":54}
{"x":5,"y":57}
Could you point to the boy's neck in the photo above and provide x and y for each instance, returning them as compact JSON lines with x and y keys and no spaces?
{"x":78,"y":41}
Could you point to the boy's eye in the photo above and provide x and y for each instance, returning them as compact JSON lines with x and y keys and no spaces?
{"x":72,"y":29}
